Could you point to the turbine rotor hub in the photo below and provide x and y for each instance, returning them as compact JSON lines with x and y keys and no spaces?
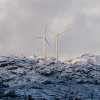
{"x":44,"y":36}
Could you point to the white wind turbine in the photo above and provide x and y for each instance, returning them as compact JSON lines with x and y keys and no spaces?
{"x":56,"y":39}
{"x":44,"y":39}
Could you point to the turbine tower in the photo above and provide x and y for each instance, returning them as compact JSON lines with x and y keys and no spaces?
{"x":44,"y":39}
{"x":33,"y":48}
{"x":56,"y":39}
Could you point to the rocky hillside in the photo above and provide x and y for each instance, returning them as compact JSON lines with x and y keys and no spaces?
{"x":28,"y":78}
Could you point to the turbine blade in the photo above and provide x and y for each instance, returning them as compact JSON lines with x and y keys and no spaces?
{"x":38,"y":37}
{"x":45,"y":30}
{"x":50,"y":31}
{"x":63,"y":32}
{"x":47,"y":42}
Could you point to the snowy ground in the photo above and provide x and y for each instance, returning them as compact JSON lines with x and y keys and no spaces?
{"x":28,"y":78}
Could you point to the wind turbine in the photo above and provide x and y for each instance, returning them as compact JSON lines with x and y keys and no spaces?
{"x":44,"y":39}
{"x":56,"y":39}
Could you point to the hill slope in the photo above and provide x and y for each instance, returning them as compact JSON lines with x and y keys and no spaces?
{"x":25,"y":78}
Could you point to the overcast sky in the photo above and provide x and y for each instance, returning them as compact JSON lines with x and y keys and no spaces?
{"x":23,"y":20}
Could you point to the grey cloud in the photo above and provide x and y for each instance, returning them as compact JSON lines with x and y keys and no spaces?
{"x":23,"y":20}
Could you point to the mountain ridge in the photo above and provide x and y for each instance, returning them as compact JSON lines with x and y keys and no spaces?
{"x":50,"y":77}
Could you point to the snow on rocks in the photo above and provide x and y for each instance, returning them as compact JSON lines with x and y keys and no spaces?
{"x":54,"y":89}
{"x":54,"y":77}
{"x":82,"y":69}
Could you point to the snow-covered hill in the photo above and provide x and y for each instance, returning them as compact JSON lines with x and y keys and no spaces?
{"x":25,"y":78}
